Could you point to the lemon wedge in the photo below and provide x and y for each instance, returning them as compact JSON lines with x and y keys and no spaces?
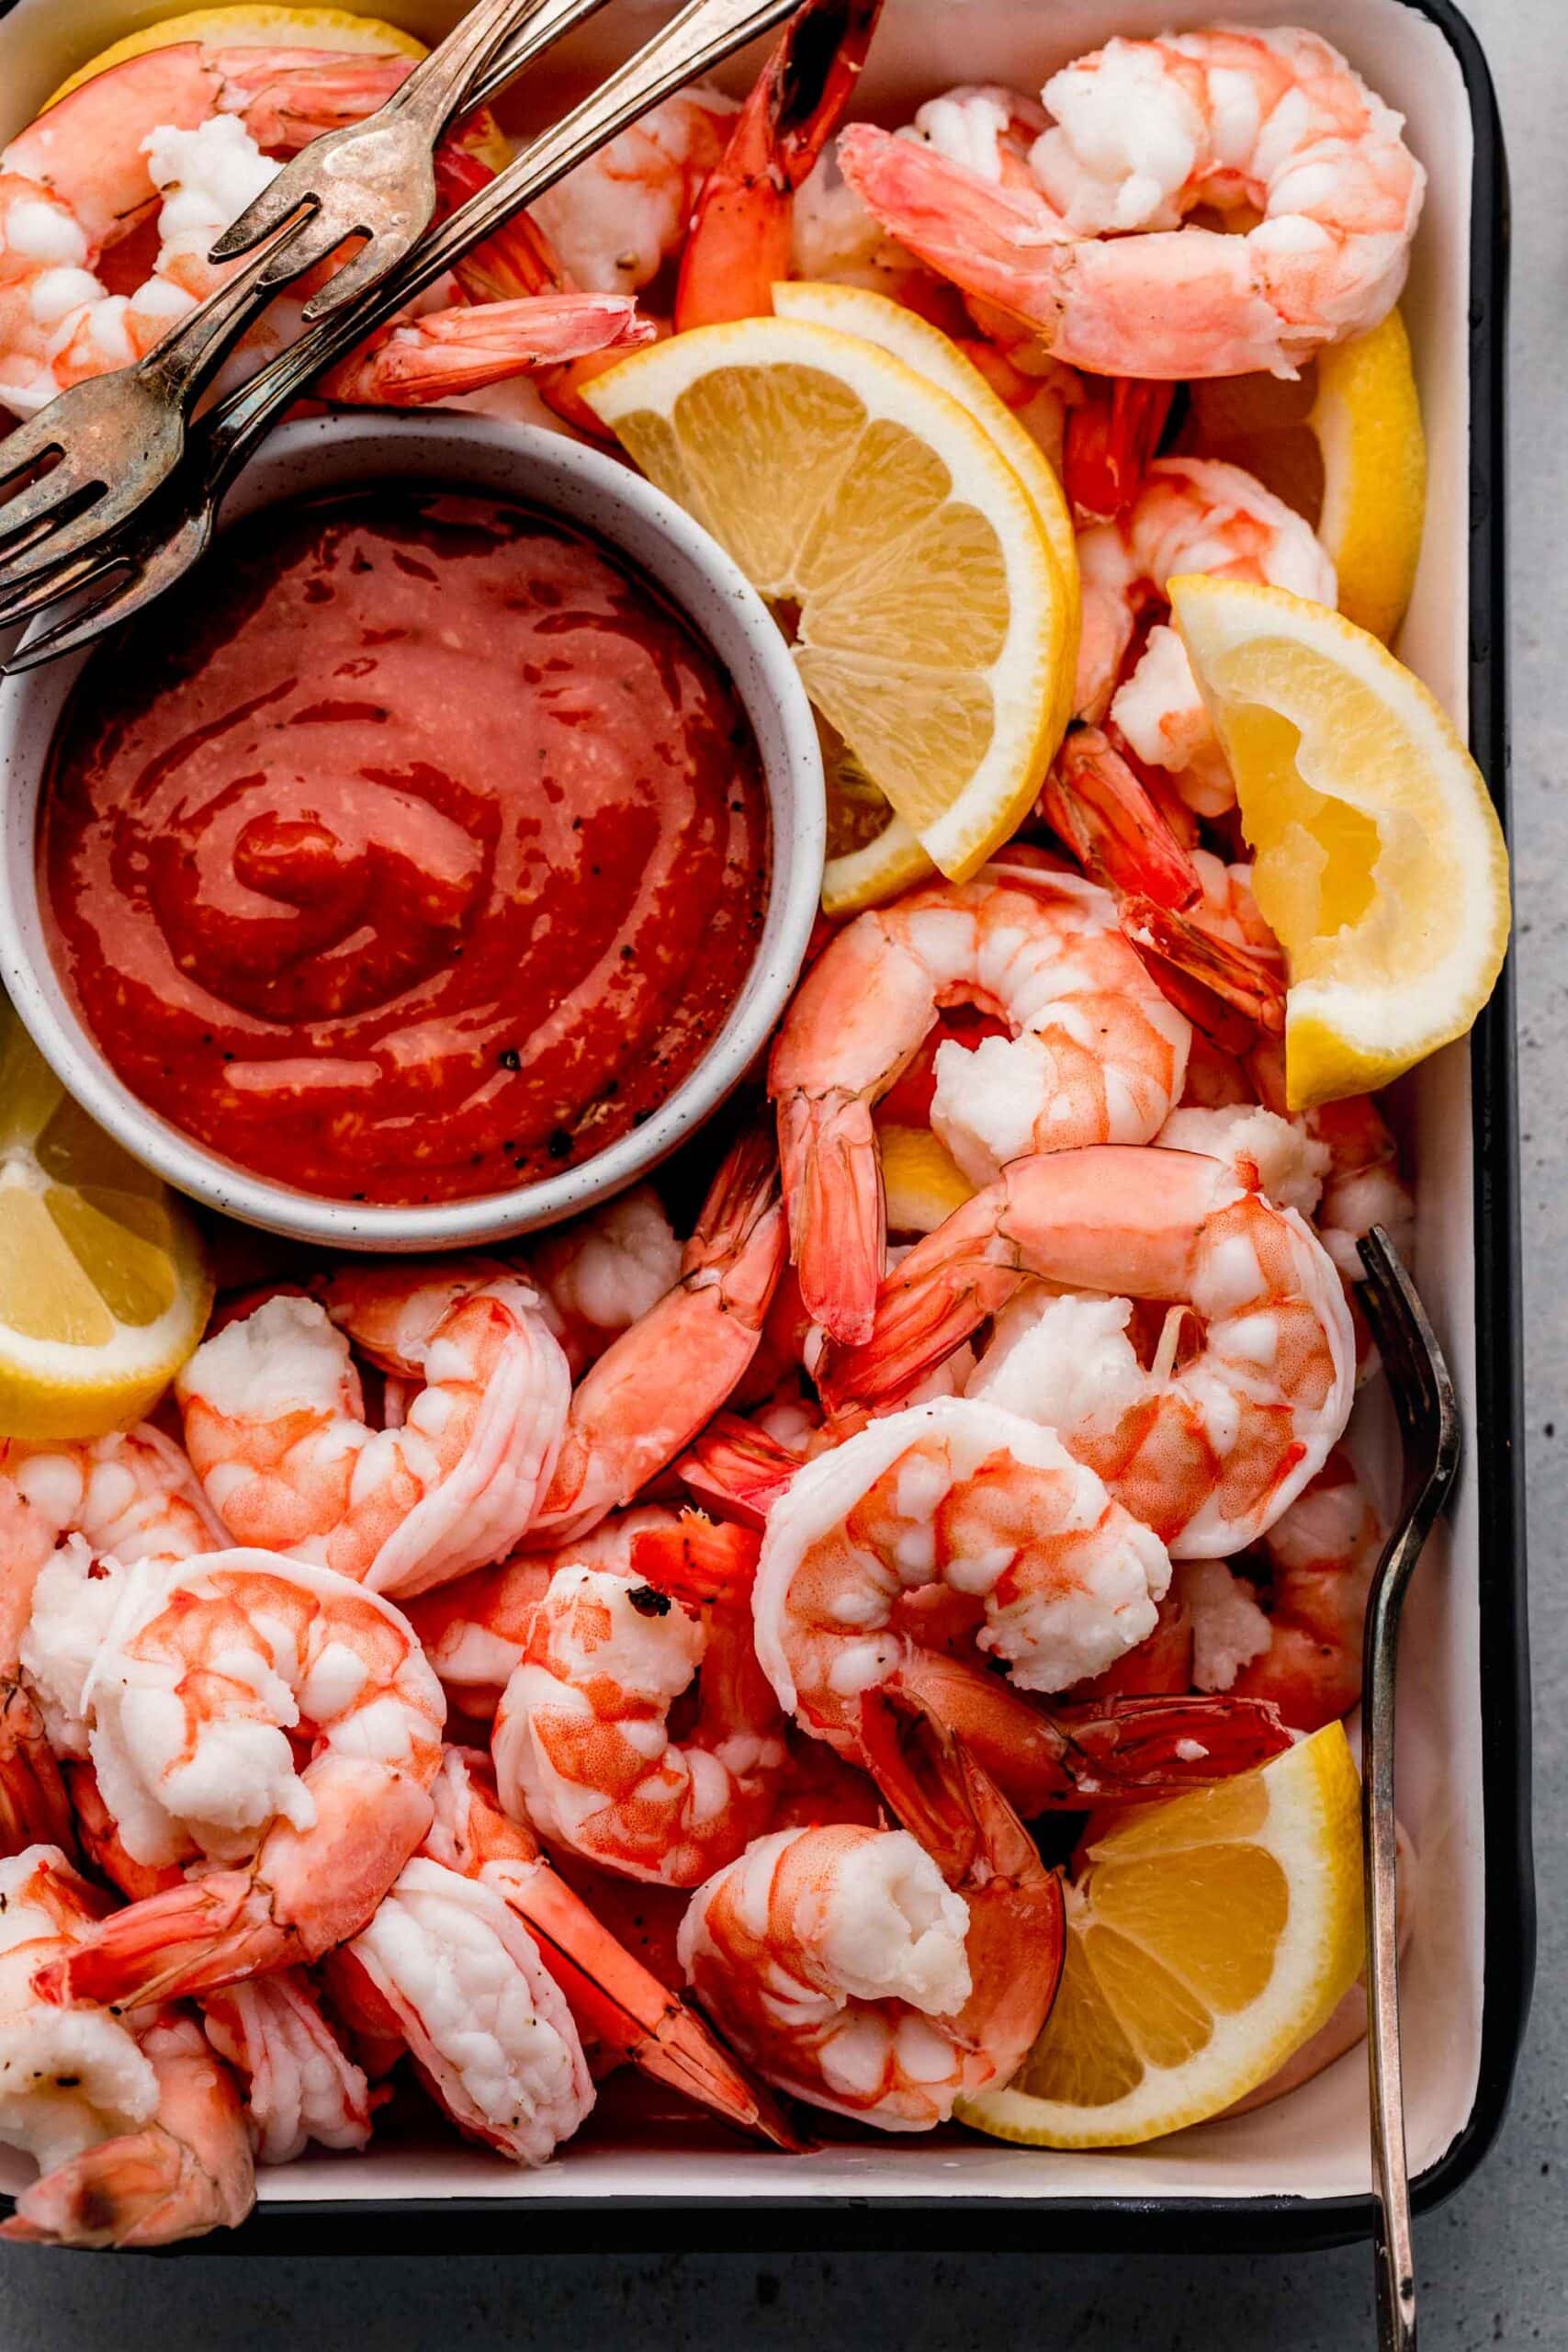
{"x":1207,"y":1939}
{"x":1344,"y":445}
{"x":892,"y":860}
{"x":921,"y":1181}
{"x":103,"y":1291}
{"x":931,"y":618}
{"x":1378,"y":859}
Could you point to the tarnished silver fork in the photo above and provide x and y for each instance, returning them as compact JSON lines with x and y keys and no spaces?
{"x":88,"y":460}
{"x":1429,"y":1434}
{"x":158,"y":543}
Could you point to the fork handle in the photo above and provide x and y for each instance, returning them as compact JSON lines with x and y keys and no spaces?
{"x":1394,"y":2246}
{"x":704,"y":33}
{"x":446,"y":79}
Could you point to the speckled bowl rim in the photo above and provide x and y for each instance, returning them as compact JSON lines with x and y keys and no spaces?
{"x":597,"y":493}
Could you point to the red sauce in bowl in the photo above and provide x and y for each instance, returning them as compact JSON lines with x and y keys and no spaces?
{"x":416,"y":850}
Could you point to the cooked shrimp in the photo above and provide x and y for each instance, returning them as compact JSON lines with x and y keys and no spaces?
{"x":584,"y":1745}
{"x":741,"y":232}
{"x":186,"y":122}
{"x":652,"y":1390}
{"x":1207,"y":1447}
{"x":133,"y":1494}
{"x":1295,"y":1638}
{"x":274,"y":1423}
{"x":34,"y":1806}
{"x":602,"y":1273}
{"x":447,"y":1966}
{"x":134,"y":2123}
{"x":857,"y":1973}
{"x":443,"y":353}
{"x":620,"y":2006}
{"x":474,"y":1630}
{"x":203,"y":1680}
{"x":618,"y":218}
{"x":298,"y":2080}
{"x":1097,"y":1055}
{"x":1190,"y":514}
{"x":1093,"y":248}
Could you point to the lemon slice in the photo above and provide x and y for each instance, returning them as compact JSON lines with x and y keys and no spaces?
{"x":1343,"y":445}
{"x":103,"y":1291}
{"x":931,"y":615}
{"x":922,"y":1182}
{"x":893,"y":860}
{"x":1207,"y":1939}
{"x":1378,"y":859}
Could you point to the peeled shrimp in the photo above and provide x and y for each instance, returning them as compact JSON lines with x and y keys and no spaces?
{"x":1092,"y":247}
{"x":1097,"y":1055}
{"x":602,"y":1273}
{"x":203,"y":1678}
{"x":1190,"y":514}
{"x":134,"y":2122}
{"x":854,"y":1973}
{"x":34,"y":1806}
{"x":584,"y":1745}
{"x":274,"y":1423}
{"x":618,"y":218}
{"x":1207,"y":1447}
{"x":652,"y":1391}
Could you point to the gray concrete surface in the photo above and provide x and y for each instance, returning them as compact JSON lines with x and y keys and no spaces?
{"x":1494,"y":2262}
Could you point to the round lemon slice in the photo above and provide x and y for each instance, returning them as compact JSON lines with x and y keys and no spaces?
{"x":929,"y":612}
{"x":1378,"y":859}
{"x":893,"y":860}
{"x":1207,"y":1939}
{"x":1344,"y":445}
{"x":103,"y":1291}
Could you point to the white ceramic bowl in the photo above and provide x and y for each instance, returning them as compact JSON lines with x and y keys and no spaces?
{"x":582,"y":487}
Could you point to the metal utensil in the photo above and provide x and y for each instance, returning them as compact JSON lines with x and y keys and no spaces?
{"x":160,"y":542}
{"x":1429,"y":1431}
{"x":376,"y":179}
{"x":86,"y":462}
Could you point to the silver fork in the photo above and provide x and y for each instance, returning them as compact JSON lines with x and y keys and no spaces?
{"x":1430,"y":1432}
{"x":376,"y":179}
{"x":86,"y":462}
{"x":158,"y":543}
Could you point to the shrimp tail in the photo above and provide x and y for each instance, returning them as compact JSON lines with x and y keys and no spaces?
{"x":1109,"y":439}
{"x":1116,"y":1751}
{"x":627,"y":2008}
{"x":833,"y":1179}
{"x":697,"y":1560}
{"x":1235,"y":995}
{"x":946,"y":1286}
{"x":1107,"y":817}
{"x":736,"y":1471}
{"x":739,"y":239}
{"x":189,"y":1938}
{"x":35,"y":1809}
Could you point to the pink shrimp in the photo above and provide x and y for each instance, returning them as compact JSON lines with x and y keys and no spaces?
{"x":274,"y":1422}
{"x":584,"y":1745}
{"x":861,"y":1973}
{"x":1294,"y":1638}
{"x":200,"y":1681}
{"x":1093,"y":246}
{"x":134,"y":2122}
{"x":34,"y":1806}
{"x":740,"y":232}
{"x":1210,"y":1449}
{"x":603,"y":1272}
{"x":1097,"y":1055}
{"x":652,"y":1391}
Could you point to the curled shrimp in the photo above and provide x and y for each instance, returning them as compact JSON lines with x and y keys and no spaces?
{"x":1097,"y":1055}
{"x":584,"y":1745}
{"x":34,"y":1808}
{"x":1093,"y":246}
{"x":203,"y":1679}
{"x":1208,"y":1443}
{"x":1295,"y":1637}
{"x":856,"y":1972}
{"x":1190,"y":514}
{"x":605,"y":1271}
{"x":740,"y":233}
{"x":615,"y":221}
{"x":274,"y":1423}
{"x":652,"y":1391}
{"x":134,"y":2122}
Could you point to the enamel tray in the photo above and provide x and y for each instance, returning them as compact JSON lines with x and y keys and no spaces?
{"x":1296,"y":2174}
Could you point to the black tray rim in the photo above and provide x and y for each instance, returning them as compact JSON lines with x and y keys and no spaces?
{"x":1197,"y":2224}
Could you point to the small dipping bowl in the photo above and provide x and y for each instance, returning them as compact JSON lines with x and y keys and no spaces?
{"x":578,"y":486}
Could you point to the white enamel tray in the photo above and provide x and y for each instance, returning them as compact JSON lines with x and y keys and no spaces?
{"x":1297,"y":2171}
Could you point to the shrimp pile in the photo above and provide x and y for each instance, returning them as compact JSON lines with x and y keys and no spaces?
{"x":662,"y":1643}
